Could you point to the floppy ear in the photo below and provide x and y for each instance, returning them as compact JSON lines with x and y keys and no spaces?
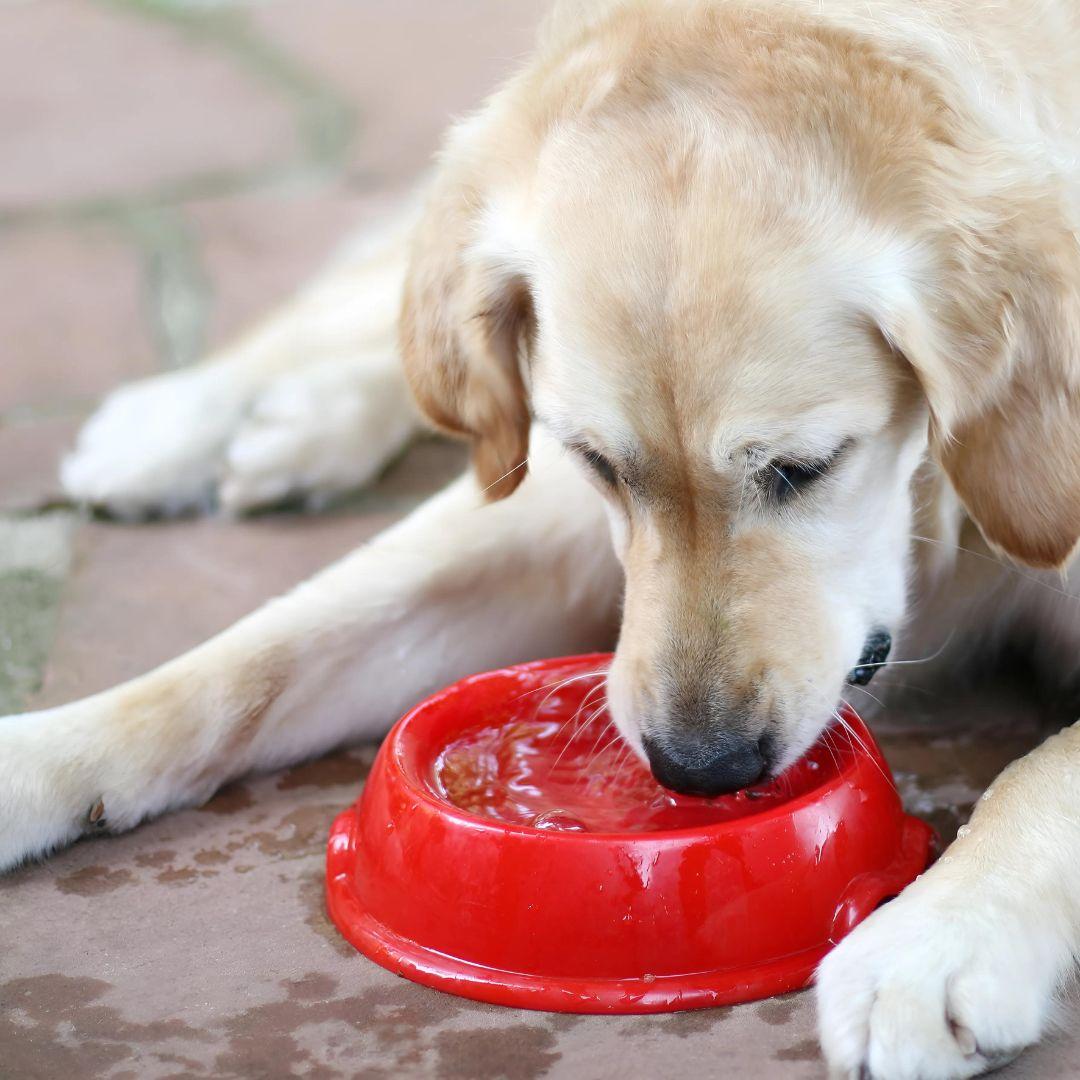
{"x":465,"y":323}
{"x":996,"y":344}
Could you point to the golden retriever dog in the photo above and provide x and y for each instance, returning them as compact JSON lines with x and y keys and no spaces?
{"x":774,"y":286}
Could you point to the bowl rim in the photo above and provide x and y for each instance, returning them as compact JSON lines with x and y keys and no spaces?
{"x":394,"y":753}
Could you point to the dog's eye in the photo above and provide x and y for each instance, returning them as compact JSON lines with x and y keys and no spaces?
{"x":783,"y":479}
{"x":599,"y":465}
{"x":788,"y":478}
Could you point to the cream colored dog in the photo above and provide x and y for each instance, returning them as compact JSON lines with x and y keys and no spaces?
{"x":775,"y":285}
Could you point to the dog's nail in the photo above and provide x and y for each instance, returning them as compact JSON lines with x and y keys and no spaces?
{"x":965,"y":1039}
{"x":96,"y":817}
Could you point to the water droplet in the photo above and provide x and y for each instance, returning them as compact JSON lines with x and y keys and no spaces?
{"x":963,"y":830}
{"x":558,"y":820}
{"x":648,"y":978}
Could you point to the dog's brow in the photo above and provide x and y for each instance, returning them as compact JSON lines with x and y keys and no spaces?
{"x":620,"y":458}
{"x":759,"y":453}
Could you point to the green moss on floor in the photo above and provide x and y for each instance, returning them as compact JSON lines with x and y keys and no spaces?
{"x":28,"y":600}
{"x":34,"y":557}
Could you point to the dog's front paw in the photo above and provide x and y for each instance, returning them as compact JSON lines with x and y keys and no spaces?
{"x":33,"y":817}
{"x":157,"y":446}
{"x":943,"y":982}
{"x":51,"y":790}
{"x":317,"y":433}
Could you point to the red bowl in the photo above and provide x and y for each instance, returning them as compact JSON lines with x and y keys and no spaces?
{"x":739,"y":907}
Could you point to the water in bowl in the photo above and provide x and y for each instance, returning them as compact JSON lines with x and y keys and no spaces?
{"x":548,"y":774}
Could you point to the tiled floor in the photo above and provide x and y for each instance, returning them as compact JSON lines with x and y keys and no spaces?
{"x":171,"y":171}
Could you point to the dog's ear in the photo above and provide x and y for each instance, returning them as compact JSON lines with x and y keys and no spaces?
{"x":466,"y":320}
{"x":995,"y":342}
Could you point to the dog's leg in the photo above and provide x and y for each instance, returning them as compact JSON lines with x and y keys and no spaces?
{"x":456,"y":587}
{"x":313,"y":402}
{"x":960,"y":972}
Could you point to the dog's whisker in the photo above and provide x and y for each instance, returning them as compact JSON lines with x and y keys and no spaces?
{"x":599,"y":739}
{"x":598,"y":688}
{"x":601,"y":686}
{"x":558,"y":684}
{"x":604,"y":749}
{"x":918,"y":660}
{"x":1019,"y":571}
{"x":872,"y":697}
{"x":625,"y":756}
{"x":509,"y":472}
{"x":910,"y":687}
{"x":826,"y":740}
{"x":580,"y":730}
{"x":553,"y":689}
{"x":783,"y":477}
{"x":862,"y":744}
{"x":846,"y":731}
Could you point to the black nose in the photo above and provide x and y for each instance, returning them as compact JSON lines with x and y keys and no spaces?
{"x":875,"y":653}
{"x":693,"y":764}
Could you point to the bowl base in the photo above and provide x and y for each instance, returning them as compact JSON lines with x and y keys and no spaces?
{"x":658,"y":994}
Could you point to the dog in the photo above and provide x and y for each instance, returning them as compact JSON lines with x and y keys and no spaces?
{"x":783,"y":296}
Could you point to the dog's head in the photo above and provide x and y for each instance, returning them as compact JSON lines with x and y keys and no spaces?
{"x":749,"y":314}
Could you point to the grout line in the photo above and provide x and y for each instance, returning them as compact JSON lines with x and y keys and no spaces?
{"x":177,"y":292}
{"x":60,"y":409}
{"x":324,"y":120}
{"x":176,"y":288}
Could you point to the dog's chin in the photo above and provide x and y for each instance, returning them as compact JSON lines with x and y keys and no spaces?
{"x":789,"y":747}
{"x":628,"y":729}
{"x":621,"y":710}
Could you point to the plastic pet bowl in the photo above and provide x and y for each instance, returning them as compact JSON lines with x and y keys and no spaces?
{"x":522,"y":900}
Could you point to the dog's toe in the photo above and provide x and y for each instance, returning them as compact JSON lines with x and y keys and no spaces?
{"x":155,"y":447}
{"x":934,"y":987}
{"x":314,"y":434}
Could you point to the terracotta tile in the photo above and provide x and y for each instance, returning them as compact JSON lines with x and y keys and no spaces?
{"x":71,"y":322}
{"x":408,"y":65}
{"x":30,"y":453}
{"x":103,"y":103}
{"x":258,"y":249}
